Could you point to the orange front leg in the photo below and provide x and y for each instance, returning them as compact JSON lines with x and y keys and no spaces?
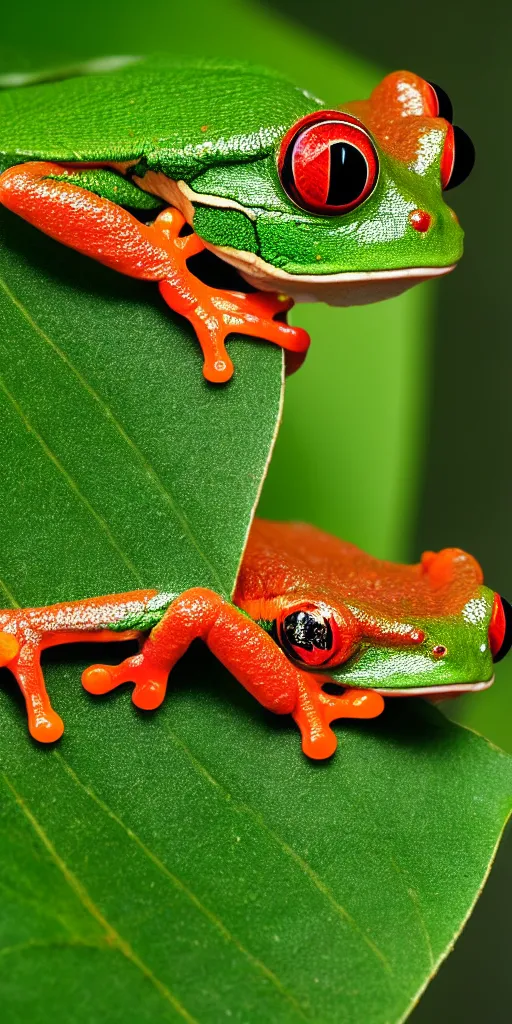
{"x":238,"y":642}
{"x":99,"y":228}
{"x":253,"y":658}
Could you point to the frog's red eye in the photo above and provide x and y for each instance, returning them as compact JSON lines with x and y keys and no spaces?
{"x":327,"y":163}
{"x":310,"y":636}
{"x":318,"y":636}
{"x":440,"y":104}
{"x":457,"y":159}
{"x":500,"y":628}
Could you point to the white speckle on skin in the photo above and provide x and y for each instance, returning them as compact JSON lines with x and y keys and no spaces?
{"x":475,"y":611}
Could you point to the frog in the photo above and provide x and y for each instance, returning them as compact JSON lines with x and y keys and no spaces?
{"x":315,"y":629}
{"x":236,"y":191}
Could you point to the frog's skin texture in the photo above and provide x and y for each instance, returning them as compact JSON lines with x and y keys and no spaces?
{"x":308,"y":609}
{"x":245,"y":159}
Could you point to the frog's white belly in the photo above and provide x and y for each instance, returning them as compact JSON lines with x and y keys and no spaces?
{"x":351,"y":289}
{"x":334,"y":289}
{"x":426,"y":691}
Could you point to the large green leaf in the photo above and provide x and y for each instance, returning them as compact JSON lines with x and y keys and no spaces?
{"x":194,"y":855}
{"x":193,"y":865}
{"x":366,"y":373}
{"x":122,"y":467}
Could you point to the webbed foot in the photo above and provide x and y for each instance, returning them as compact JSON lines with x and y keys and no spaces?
{"x":216,"y":313}
{"x":316,"y":710}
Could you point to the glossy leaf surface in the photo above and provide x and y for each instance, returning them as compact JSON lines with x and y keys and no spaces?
{"x":235,"y":905}
{"x":194,"y":866}
{"x":122,"y":467}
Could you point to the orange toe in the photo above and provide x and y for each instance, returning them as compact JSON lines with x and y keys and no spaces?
{"x":46,"y":728}
{"x":319,"y":746}
{"x":97,"y":679}
{"x":316,"y":710}
{"x":9,"y":648}
{"x":218,"y":372}
{"x":362,"y":704}
{"x":149,"y":696}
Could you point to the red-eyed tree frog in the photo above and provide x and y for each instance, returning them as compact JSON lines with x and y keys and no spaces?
{"x":308,"y":610}
{"x":145,"y":167}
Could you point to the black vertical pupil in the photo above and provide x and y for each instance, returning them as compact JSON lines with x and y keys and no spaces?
{"x":348,"y":174}
{"x":302,"y":629}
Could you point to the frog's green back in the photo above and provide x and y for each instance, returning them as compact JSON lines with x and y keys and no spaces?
{"x":178,"y":117}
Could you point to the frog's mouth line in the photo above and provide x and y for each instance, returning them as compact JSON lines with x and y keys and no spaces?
{"x":425,"y":691}
{"x":344,"y":289}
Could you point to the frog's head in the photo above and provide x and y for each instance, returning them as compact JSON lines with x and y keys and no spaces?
{"x":427,"y":629}
{"x":346,"y":205}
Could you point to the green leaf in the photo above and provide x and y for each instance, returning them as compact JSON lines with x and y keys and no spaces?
{"x":398,"y":830}
{"x":122,"y":467}
{"x":192,"y":865}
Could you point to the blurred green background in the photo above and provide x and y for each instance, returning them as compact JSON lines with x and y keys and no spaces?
{"x":465,"y":488}
{"x":395,"y":433}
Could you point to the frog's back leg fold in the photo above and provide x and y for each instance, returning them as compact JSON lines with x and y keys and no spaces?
{"x":109,"y":184}
{"x":48,"y":197}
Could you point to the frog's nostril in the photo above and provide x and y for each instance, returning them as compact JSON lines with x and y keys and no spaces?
{"x":439,"y":651}
{"x":500,"y":628}
{"x":420,"y":220}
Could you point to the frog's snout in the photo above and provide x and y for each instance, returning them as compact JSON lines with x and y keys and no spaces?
{"x":500,"y":628}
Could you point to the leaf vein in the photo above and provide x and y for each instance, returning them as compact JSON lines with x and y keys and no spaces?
{"x":111,"y":935}
{"x":182,"y":887}
{"x":414,"y":898}
{"x":165,"y":492}
{"x":22,"y":947}
{"x":69,"y":480}
{"x":243,"y":808}
{"x":9,"y":595}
